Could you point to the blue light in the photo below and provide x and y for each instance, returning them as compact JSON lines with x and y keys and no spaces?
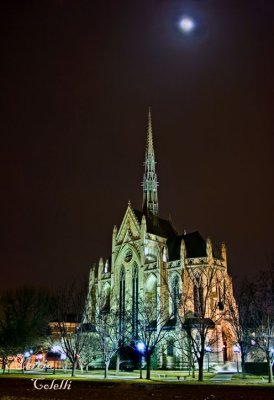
{"x":140,"y":347}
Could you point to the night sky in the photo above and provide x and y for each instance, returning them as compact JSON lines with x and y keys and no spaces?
{"x":77,"y":78}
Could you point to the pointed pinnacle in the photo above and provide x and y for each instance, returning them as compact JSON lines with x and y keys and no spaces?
{"x":149,"y":133}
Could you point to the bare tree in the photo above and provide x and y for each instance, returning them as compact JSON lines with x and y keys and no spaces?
{"x":68,"y":327}
{"x":107,"y":327}
{"x":263,"y":338}
{"x":263,"y":316}
{"x":241,"y":315}
{"x":153,"y":319}
{"x":90,"y":350}
{"x":183,"y":344}
{"x":201,"y":307}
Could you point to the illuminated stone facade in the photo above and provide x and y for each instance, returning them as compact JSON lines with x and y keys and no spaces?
{"x":150,"y":259}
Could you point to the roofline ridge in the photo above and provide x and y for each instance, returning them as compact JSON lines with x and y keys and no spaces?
{"x":133,"y":212}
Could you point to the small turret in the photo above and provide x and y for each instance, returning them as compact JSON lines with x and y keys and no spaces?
{"x":101,"y":268}
{"x":114,"y":236}
{"x":224,"y":254}
{"x":209,"y":251}
{"x":183,"y":254}
{"x":143,"y":228}
{"x":92,"y":275}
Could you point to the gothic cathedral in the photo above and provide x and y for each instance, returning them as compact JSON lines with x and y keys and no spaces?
{"x":183,"y":274}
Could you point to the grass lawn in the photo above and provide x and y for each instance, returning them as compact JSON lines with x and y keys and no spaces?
{"x":21,"y":387}
{"x":157,"y":376}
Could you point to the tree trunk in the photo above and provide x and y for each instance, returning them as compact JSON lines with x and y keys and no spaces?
{"x":117,"y":364}
{"x":243,"y":365}
{"x":4,"y":364}
{"x":270,"y":373}
{"x":73,"y":368}
{"x":191,"y":365}
{"x":148,"y":360}
{"x":106,"y":369}
{"x":201,"y":368}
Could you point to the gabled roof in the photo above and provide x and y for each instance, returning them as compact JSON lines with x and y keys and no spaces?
{"x":195,"y":246}
{"x":155,"y":225}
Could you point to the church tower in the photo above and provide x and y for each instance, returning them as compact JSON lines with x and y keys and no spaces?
{"x":150,"y":184}
{"x":154,"y":275}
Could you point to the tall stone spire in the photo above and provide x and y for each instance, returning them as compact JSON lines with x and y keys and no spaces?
{"x":150,"y":196}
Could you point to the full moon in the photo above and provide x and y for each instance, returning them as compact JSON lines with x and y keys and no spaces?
{"x":186,"y":24}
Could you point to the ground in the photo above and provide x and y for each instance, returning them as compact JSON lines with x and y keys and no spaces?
{"x":15,"y":388}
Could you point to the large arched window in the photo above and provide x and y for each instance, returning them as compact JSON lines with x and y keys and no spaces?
{"x":135,"y":299}
{"x":122,"y":303}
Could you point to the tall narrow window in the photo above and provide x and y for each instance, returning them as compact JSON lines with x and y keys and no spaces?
{"x":106,"y":267}
{"x":201,"y":299}
{"x":198,"y":294}
{"x":135,"y":301}
{"x":221,"y":296}
{"x":151,"y":294}
{"x":122,"y":303}
{"x":175,"y":297}
{"x":196,"y":298}
{"x":170,"y":348}
{"x":106,"y":299}
{"x":164,"y":255}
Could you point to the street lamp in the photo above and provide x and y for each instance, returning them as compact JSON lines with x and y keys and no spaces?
{"x":208,"y":351}
{"x":237,"y":350}
{"x":140,"y":346}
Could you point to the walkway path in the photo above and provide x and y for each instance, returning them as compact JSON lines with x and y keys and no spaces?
{"x":222,"y":377}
